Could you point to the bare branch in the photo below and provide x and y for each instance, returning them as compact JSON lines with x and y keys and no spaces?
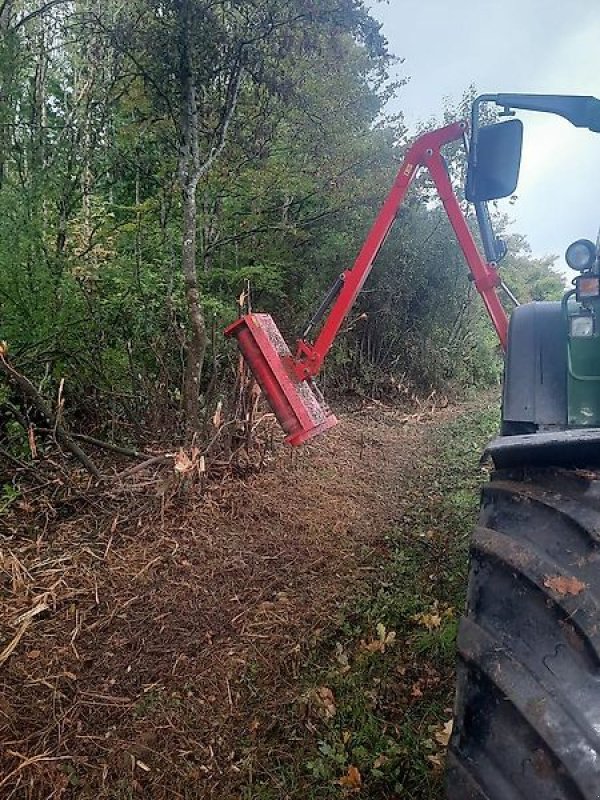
{"x":113,"y":448}
{"x":229,"y":107}
{"x":61,"y":433}
{"x":38,"y":12}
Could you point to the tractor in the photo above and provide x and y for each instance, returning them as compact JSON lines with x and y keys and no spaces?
{"x":527,"y":708}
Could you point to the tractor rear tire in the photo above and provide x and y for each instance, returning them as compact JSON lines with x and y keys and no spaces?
{"x":527,"y":710}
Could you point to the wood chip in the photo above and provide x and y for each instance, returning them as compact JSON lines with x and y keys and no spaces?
{"x":563,"y":585}
{"x":13,"y":644}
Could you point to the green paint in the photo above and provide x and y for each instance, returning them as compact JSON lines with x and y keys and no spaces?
{"x":583,"y":379}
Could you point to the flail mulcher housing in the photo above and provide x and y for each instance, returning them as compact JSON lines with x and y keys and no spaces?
{"x":298,"y":404}
{"x":287,"y":379}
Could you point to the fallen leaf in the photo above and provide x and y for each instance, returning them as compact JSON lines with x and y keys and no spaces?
{"x":326,"y":701}
{"x":586,"y":473}
{"x":383,"y":640}
{"x":34,"y":654}
{"x":385,"y":636}
{"x":352,"y":780}
{"x":429,"y":621}
{"x":380,"y":761}
{"x":563,"y":585}
{"x":374,"y":646}
{"x":435,"y":760}
{"x":442,"y":736}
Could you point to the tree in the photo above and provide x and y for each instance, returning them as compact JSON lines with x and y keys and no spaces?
{"x":210,"y":53}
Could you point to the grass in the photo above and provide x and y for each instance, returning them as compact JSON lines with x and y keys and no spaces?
{"x":374,"y":717}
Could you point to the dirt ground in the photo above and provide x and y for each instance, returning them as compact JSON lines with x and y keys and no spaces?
{"x":151,"y":648}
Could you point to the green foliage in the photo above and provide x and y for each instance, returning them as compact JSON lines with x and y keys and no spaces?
{"x":8,"y":494}
{"x":91,"y":214}
{"x":530,"y":278}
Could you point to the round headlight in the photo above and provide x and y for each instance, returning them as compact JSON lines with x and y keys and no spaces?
{"x":581,"y":255}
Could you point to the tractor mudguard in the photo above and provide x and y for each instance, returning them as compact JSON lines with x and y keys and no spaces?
{"x":535,"y":372}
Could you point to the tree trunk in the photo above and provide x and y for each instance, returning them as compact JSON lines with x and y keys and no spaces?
{"x":193,"y":165}
{"x":196,"y":336}
{"x":7,"y":77}
{"x":189,"y":169}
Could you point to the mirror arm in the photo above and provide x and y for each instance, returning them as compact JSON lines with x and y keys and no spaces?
{"x":581,"y":111}
{"x":483,"y":98}
{"x":509,"y":294}
{"x":486,"y":230}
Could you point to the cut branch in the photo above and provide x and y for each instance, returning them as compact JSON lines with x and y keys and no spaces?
{"x":60,"y":431}
{"x":113,"y":448}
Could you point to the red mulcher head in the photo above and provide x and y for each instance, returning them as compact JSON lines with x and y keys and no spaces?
{"x":298,"y":405}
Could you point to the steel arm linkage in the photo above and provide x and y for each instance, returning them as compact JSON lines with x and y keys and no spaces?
{"x":424,"y":152}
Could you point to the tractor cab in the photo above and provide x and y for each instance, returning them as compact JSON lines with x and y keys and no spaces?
{"x":552,"y":368}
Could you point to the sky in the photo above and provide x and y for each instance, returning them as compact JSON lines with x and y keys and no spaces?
{"x":530,"y":46}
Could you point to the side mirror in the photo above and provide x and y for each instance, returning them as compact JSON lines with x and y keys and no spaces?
{"x":494,"y":161}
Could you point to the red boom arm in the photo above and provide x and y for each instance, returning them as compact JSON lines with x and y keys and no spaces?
{"x":286,"y":379}
{"x":424,"y":152}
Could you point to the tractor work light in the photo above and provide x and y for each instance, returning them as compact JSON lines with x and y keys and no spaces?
{"x":587,"y":286}
{"x":581,"y":326}
{"x":581,"y":255}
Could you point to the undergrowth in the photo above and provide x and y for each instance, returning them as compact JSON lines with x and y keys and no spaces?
{"x":374,"y":719}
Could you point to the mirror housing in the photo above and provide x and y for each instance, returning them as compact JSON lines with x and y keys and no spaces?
{"x":494,"y":161}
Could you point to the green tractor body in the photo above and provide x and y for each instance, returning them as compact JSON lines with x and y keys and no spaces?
{"x":552,"y":371}
{"x":527,"y":709}
{"x":582,"y":334}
